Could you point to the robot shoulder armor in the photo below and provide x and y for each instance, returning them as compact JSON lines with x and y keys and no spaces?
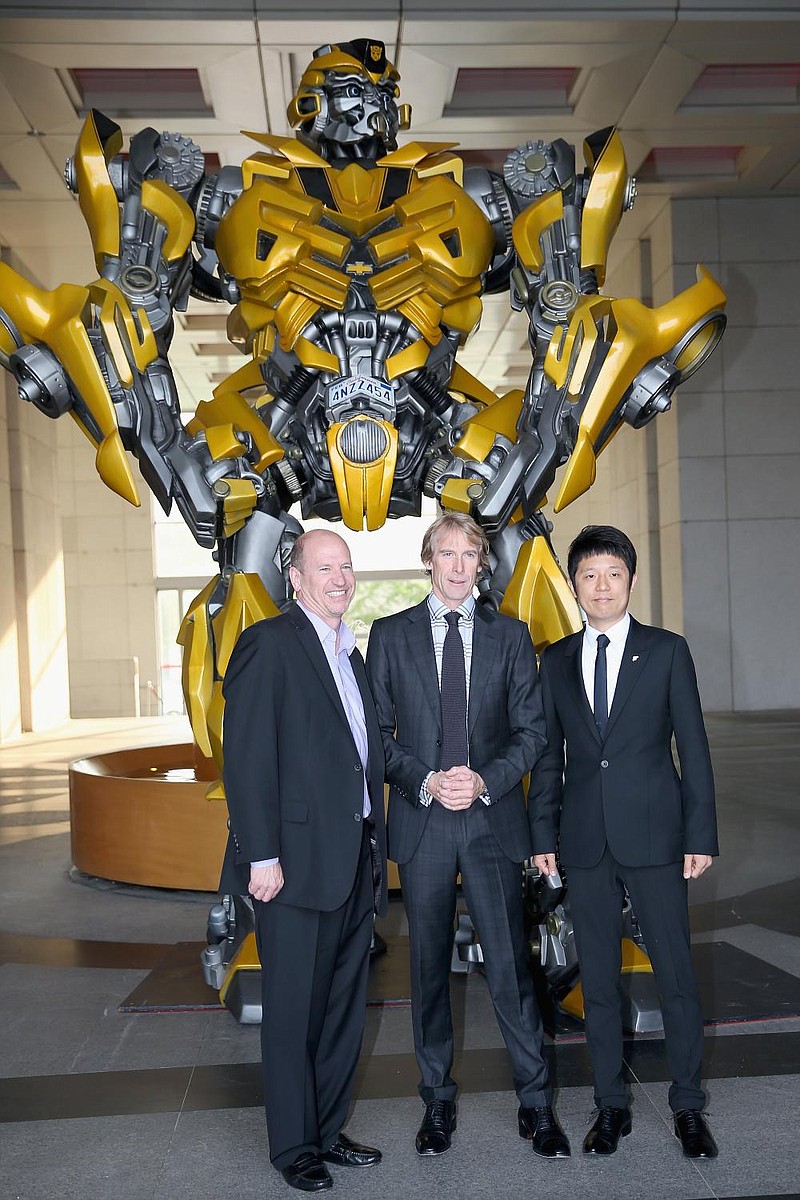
{"x":537,"y":167}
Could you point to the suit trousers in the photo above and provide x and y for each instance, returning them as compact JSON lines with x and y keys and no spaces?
{"x":492,"y":883}
{"x":314,"y":992}
{"x":659,"y":899}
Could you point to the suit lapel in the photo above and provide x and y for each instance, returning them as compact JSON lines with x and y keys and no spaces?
{"x":484,"y":649}
{"x":307,"y":636}
{"x":573,"y":672}
{"x":419,"y":640}
{"x":634,"y":659}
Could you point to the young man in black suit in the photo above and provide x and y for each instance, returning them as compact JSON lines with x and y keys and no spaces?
{"x":607,"y":795}
{"x":304,"y":782}
{"x":457,"y":695}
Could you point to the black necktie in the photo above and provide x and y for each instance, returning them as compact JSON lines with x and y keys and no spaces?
{"x":601,"y":685}
{"x":454,"y":698}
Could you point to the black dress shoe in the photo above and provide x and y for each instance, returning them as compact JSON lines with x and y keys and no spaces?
{"x":609,"y":1126}
{"x":307,"y":1173}
{"x":691,"y":1129}
{"x":540,"y":1127}
{"x":346,"y":1153}
{"x":437,"y":1125}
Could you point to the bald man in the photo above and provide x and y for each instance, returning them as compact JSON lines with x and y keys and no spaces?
{"x":304,"y":783}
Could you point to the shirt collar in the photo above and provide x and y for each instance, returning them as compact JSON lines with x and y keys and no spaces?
{"x":324,"y":632}
{"x":617,"y":634}
{"x":438,"y":610}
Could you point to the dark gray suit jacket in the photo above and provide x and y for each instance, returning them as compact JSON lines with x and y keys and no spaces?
{"x":624,"y":789}
{"x":505,"y":720}
{"x":293,"y":778}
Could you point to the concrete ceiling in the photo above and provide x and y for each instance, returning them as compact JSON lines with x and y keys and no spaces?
{"x":643,"y":66}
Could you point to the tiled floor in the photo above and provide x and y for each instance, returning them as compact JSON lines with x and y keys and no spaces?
{"x":105,"y":1105}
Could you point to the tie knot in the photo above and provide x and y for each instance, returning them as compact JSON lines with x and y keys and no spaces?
{"x":453,"y":618}
{"x":602,"y":641}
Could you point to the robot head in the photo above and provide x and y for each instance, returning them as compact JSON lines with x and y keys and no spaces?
{"x":346,"y":103}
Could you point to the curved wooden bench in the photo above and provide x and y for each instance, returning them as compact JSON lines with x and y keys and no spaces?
{"x":141,"y":816}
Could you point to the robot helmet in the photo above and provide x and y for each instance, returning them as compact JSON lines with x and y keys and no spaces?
{"x":346,"y":102}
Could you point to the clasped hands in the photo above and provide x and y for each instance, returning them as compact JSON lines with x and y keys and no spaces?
{"x":456,"y":788}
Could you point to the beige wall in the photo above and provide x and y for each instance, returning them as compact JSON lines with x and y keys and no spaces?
{"x":739,"y":444}
{"x":33,"y":640}
{"x":10,"y":700}
{"x":110,"y":591}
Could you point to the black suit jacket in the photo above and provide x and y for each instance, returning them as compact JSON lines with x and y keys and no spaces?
{"x":293,"y":777}
{"x":624,"y":789}
{"x":505,"y":720}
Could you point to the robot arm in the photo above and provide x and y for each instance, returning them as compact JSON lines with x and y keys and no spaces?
{"x":598,"y":363}
{"x":100,"y":352}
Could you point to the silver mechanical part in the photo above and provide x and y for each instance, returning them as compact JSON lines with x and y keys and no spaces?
{"x":631,"y":192}
{"x":554,"y":933}
{"x":650,"y":392}
{"x":257,"y":551}
{"x":216,"y":196}
{"x":523,"y":286}
{"x":535,"y":168}
{"x":70,"y":174}
{"x":117,"y":173}
{"x":504,"y":205}
{"x":40,"y":380}
{"x":491,"y":197}
{"x":8,"y":324}
{"x":201,"y":209}
{"x":467,"y":952}
{"x":144,"y":288}
{"x":214,"y":967}
{"x":363,"y":440}
{"x":557,"y":299}
{"x":229,"y":288}
{"x":436,"y":470}
{"x":289,"y":477}
{"x":180,"y":161}
{"x":718,"y":321}
{"x":221,"y":487}
{"x":138,"y":282}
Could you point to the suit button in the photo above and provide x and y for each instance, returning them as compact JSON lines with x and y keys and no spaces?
{"x":604,"y":763}
{"x":357,"y":767}
{"x":438,"y":741}
{"x":356,"y":816}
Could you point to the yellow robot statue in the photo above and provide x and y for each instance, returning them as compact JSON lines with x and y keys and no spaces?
{"x":354,"y":269}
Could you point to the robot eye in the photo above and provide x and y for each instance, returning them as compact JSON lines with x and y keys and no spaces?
{"x":353,"y":89}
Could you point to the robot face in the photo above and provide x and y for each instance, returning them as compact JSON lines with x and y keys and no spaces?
{"x":346,"y":104}
{"x":356,"y":110}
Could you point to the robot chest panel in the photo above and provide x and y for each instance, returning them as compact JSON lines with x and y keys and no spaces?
{"x":278,"y":241}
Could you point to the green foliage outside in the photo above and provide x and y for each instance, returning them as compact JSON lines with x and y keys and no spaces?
{"x":379,"y":598}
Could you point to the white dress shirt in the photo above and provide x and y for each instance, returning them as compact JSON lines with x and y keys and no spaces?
{"x":617,"y":636}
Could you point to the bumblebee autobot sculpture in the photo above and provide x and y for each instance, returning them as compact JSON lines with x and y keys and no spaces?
{"x":354,"y":269}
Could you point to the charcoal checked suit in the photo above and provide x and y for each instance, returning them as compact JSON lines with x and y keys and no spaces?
{"x":486,"y":843}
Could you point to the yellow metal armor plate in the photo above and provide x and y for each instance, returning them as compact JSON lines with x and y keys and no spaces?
{"x":363,"y":454}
